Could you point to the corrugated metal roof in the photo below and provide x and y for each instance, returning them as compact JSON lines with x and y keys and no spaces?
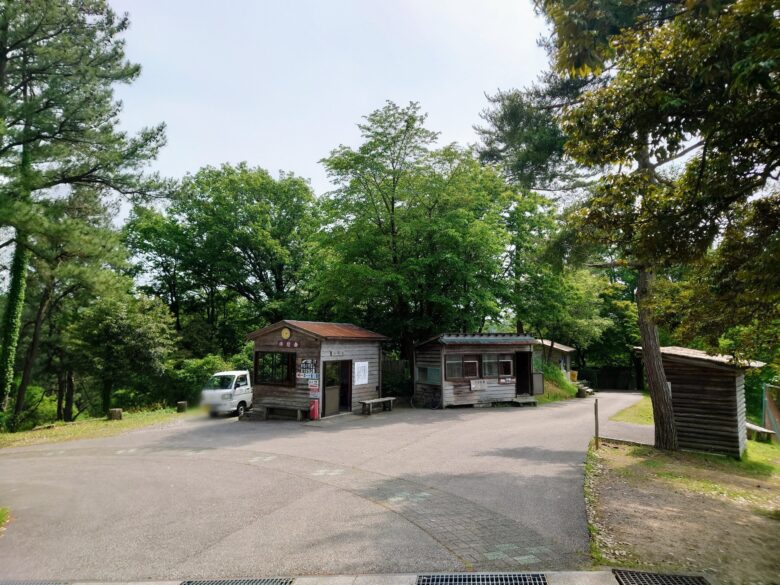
{"x":323,"y":330}
{"x":481,"y":339}
{"x":556,"y":345}
{"x":696,"y":354}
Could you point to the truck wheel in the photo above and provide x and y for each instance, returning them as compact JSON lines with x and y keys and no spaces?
{"x":241,"y":409}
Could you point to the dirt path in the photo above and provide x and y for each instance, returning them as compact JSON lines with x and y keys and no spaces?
{"x":687,"y":513}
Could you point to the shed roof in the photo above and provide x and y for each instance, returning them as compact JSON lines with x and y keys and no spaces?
{"x":556,"y":345}
{"x":323,"y":330}
{"x":480,"y":339}
{"x":686,"y":353}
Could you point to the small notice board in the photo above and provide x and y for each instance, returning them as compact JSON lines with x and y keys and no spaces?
{"x":477,"y":385}
{"x":361,"y":373}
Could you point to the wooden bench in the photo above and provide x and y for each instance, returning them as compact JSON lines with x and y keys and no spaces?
{"x":758,"y":433}
{"x":368,"y":405}
{"x":265,"y":411}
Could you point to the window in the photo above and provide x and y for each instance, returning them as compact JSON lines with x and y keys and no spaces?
{"x":223,"y":382}
{"x":428,"y":375}
{"x":471,"y":366}
{"x":275,"y":367}
{"x":332,"y":374}
{"x":453,"y":367}
{"x":505,"y":364}
{"x":490,"y":365}
{"x":241,"y":381}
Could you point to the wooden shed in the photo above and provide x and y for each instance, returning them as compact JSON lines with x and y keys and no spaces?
{"x":299,"y":362}
{"x":708,"y":397}
{"x":454,"y":369}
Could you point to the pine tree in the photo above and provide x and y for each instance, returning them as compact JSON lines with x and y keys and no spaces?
{"x":58,"y":125}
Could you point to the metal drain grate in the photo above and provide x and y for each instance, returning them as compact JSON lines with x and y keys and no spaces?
{"x":642,"y":578}
{"x":269,"y":581}
{"x":483,"y":579}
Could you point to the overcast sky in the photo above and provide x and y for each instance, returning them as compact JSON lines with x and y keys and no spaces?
{"x":280,"y":83}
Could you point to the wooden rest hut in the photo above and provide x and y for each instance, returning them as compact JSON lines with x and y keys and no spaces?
{"x":708,"y":397}
{"x":455,"y":369}
{"x":313,"y":367}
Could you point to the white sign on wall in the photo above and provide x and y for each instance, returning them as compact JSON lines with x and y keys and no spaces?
{"x":477,"y":385}
{"x":361,"y":373}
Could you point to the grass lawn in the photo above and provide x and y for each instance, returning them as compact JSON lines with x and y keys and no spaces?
{"x":5,"y":514}
{"x":640,"y":413}
{"x":686,"y":512}
{"x":89,"y":428}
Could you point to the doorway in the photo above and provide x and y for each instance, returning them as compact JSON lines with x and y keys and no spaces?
{"x":337,"y":395}
{"x":524,"y":372}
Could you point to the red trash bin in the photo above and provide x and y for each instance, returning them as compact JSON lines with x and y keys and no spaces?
{"x":314,"y":409}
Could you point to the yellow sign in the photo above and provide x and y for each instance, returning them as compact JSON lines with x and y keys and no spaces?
{"x":285,"y":333}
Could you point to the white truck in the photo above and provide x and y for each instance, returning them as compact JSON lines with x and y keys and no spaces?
{"x":227,"y":392}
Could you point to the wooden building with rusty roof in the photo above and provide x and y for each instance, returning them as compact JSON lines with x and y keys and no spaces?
{"x":314,"y":367}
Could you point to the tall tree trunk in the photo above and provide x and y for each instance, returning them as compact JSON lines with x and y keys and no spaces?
{"x":660,"y":394}
{"x":12,"y":319}
{"x":32,"y":351}
{"x":60,"y":393}
{"x":69,"y":392}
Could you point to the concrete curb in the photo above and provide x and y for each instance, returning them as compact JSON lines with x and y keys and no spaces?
{"x":553,"y":578}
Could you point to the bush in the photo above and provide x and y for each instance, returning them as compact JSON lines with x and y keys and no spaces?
{"x":187,"y":377}
{"x":129,"y":399}
{"x":40,"y":408}
{"x":243,"y":360}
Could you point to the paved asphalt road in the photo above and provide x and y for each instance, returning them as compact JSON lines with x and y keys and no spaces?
{"x":407,"y":491}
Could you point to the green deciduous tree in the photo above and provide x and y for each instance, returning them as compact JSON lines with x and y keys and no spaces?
{"x":252,"y":230}
{"x":229,"y":252}
{"x":415,"y":238}
{"x":58,"y":124}
{"x":692,"y":82}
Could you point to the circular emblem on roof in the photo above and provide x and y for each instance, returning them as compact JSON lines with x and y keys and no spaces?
{"x":285,"y":333}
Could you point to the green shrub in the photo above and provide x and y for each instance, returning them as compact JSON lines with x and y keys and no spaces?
{"x":187,"y":377}
{"x":39,"y":409}
{"x":243,"y":360}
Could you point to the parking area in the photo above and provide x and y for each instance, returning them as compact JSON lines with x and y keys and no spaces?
{"x":402,"y":491}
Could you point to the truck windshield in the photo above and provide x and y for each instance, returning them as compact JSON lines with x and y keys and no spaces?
{"x":220,"y":383}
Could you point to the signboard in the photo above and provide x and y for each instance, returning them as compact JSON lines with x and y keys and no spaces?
{"x":307,"y":370}
{"x":314,"y":388}
{"x":506,"y":380}
{"x":477,"y":385}
{"x":361,"y":373}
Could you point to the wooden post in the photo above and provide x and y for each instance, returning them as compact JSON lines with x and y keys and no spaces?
{"x":114,"y":414}
{"x":181,"y":406}
{"x":596,"y":413}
